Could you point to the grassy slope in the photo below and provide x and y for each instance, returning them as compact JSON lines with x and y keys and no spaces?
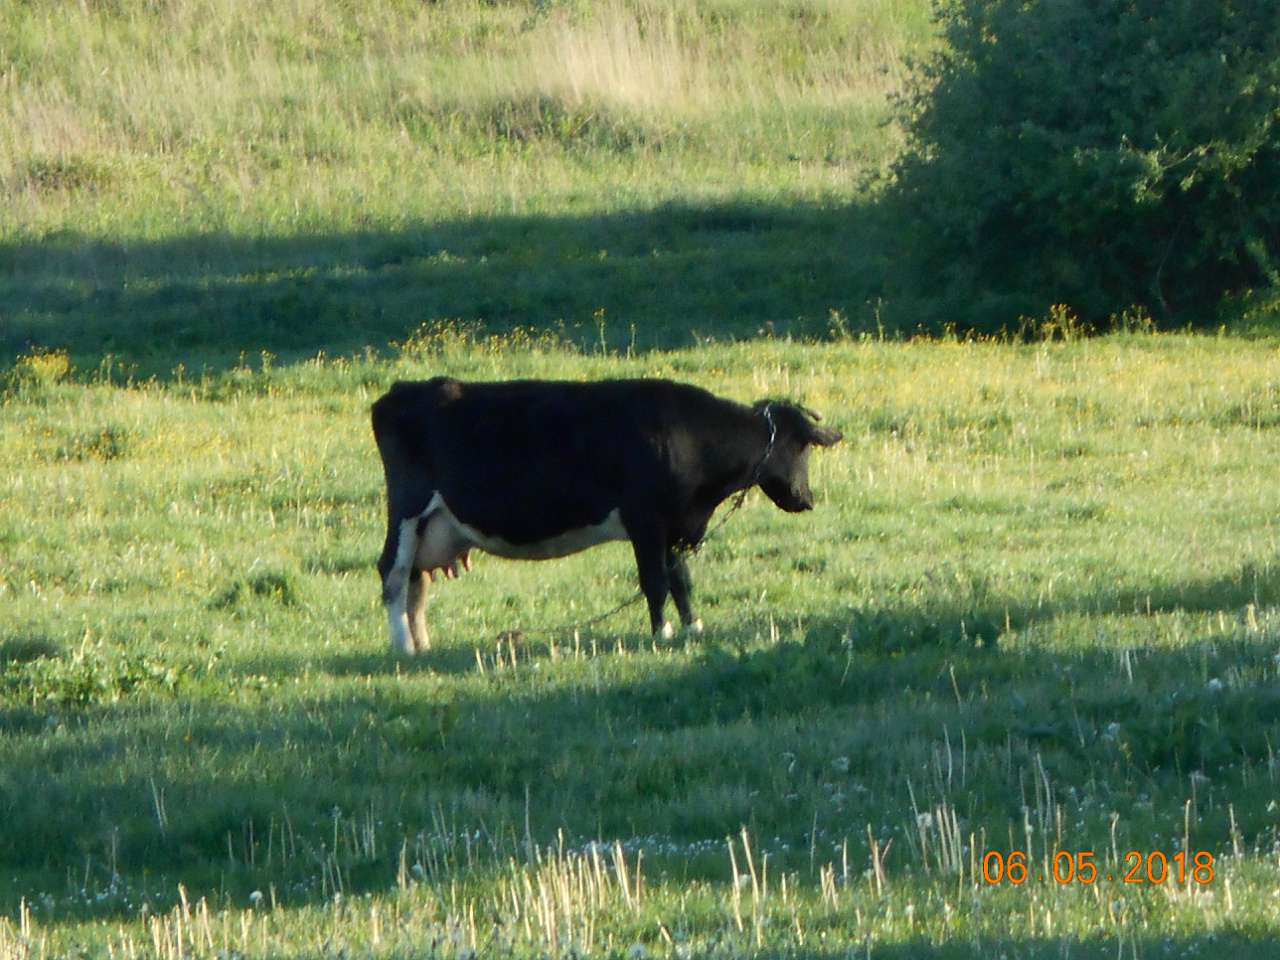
{"x":1039,"y":594}
{"x":212,"y":178}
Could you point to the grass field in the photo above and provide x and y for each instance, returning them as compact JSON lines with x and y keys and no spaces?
{"x":1037,"y":608}
{"x":203,"y":177}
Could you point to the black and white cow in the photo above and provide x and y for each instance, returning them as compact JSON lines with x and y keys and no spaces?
{"x":533,"y":469}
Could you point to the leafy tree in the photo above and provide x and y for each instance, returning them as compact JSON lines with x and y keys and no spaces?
{"x":1095,"y":153}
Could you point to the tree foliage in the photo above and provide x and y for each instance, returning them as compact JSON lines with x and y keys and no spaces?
{"x":1095,"y":153}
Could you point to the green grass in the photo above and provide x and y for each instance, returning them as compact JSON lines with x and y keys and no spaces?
{"x":1038,"y":606}
{"x":1039,"y":596}
{"x":206,"y":177}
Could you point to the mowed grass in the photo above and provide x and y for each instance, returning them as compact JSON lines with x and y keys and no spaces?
{"x":1035,"y":609}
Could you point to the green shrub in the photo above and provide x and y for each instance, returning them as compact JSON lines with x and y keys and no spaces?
{"x":1101,"y":154}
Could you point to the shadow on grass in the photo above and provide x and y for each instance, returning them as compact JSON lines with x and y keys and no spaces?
{"x":882,"y":631}
{"x":649,"y":278}
{"x":849,"y":723}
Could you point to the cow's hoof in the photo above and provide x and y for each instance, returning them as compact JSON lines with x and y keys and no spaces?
{"x":402,"y":641}
{"x":409,"y":651}
{"x":667,"y":631}
{"x":695,"y":627}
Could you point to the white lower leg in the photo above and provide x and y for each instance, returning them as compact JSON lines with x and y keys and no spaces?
{"x":395,"y":590}
{"x":398,"y":621}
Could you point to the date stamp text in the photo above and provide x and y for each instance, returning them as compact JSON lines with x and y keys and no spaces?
{"x":1080,"y":866}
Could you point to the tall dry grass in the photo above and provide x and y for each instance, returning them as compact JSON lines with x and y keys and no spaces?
{"x":174,"y":95}
{"x":649,"y":57}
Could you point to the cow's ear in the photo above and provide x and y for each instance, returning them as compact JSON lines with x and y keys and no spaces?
{"x":824,"y":436}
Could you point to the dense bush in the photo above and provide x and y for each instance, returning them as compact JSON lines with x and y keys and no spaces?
{"x":1094,"y":153}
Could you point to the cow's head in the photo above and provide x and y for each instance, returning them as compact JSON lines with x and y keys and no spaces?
{"x":784,"y":472}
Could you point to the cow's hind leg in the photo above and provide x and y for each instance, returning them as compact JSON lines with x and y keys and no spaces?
{"x":396,"y":567}
{"x":416,"y":610}
{"x":682,"y":590}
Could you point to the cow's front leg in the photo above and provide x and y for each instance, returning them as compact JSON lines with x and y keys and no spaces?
{"x":651,"y":561}
{"x":682,"y":590}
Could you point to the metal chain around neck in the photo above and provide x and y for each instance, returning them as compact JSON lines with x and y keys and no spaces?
{"x":767,"y":413}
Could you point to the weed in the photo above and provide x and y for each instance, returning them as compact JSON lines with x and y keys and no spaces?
{"x":20,"y":649}
{"x":105,"y":444}
{"x":67,"y":173}
{"x":276,"y":586}
{"x":89,"y":676}
{"x":452,"y":339}
{"x":40,"y":367}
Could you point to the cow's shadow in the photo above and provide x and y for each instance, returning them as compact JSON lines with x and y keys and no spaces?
{"x":887,"y":629}
{"x":510,"y":648}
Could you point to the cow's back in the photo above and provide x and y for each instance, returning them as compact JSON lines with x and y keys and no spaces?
{"x":528,"y":459}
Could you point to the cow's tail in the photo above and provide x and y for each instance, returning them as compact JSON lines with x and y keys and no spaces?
{"x":392,"y":450}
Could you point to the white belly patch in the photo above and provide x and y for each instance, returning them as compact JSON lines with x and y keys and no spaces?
{"x":445,"y":538}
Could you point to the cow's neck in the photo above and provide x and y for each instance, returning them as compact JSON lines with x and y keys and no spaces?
{"x":746,"y":466}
